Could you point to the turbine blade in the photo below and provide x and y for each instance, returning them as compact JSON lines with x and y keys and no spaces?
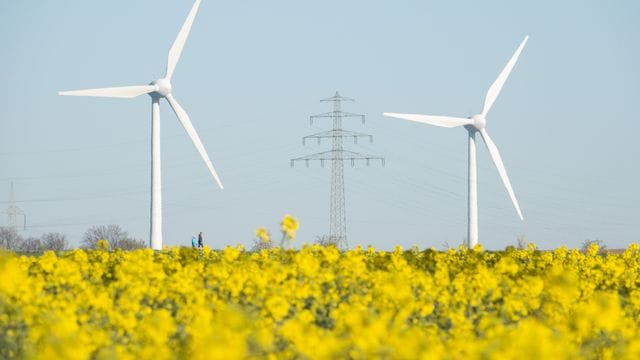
{"x":497,"y":159}
{"x":186,"y":123}
{"x":494,"y":90}
{"x":443,"y":121}
{"x":181,"y":39}
{"x":113,"y":92}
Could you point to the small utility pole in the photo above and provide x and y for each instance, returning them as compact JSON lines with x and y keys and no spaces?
{"x":337,"y":155}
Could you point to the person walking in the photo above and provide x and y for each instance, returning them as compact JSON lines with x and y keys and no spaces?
{"x":193,"y":241}
{"x":200,"y":240}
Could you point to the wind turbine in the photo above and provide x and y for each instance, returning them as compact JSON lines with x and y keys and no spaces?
{"x":474,"y":124}
{"x":159,"y":89}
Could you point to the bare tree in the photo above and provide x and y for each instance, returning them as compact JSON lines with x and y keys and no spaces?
{"x":9,"y":238}
{"x":521,"y":242}
{"x":113,"y":234}
{"x":30,"y":244}
{"x":465,"y":241}
{"x":258,"y":245}
{"x":589,"y":242}
{"x":132,"y":244}
{"x":327,"y":240}
{"x":54,"y":241}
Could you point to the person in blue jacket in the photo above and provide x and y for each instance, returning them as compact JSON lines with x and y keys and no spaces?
{"x":193,"y":241}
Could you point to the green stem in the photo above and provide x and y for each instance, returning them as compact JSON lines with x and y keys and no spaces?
{"x":282,"y":245}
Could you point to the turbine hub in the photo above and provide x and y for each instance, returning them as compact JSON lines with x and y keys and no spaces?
{"x":163,"y":87}
{"x":479,"y":122}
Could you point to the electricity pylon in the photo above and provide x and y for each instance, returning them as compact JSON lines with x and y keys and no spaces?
{"x":13,"y":211}
{"x":337,"y":155}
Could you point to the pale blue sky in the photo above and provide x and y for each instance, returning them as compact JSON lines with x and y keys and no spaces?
{"x":253,"y":71}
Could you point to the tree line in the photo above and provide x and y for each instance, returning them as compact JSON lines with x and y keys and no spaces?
{"x":115,"y":236}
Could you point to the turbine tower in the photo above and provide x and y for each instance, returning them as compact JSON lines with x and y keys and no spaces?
{"x":337,"y":155}
{"x":476,"y":124}
{"x":159,"y":89}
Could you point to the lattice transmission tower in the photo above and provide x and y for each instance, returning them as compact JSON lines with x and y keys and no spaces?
{"x":337,"y":155}
{"x":13,"y":211}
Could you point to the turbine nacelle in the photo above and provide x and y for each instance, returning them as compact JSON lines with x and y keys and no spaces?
{"x":479,"y":121}
{"x":163,"y":87}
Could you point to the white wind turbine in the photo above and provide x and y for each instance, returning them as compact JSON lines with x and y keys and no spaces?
{"x":473,"y":124}
{"x":158,"y":89}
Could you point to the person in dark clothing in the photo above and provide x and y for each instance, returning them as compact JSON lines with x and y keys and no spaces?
{"x":200,"y":241}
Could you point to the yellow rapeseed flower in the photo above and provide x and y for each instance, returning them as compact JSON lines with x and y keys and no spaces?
{"x":320,"y":303}
{"x":102,"y":244}
{"x":289,"y":225}
{"x":263,"y":235}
